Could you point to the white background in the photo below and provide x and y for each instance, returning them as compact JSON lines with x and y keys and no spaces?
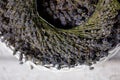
{"x":10,"y":69}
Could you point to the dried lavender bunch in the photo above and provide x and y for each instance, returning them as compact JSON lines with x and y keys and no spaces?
{"x":64,"y":45}
{"x":66,"y":13}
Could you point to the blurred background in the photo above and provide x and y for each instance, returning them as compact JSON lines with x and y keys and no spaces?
{"x":10,"y":69}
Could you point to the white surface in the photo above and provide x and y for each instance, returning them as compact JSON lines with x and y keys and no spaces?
{"x":10,"y":69}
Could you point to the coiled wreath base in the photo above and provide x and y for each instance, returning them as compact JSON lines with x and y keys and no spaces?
{"x":40,"y":42}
